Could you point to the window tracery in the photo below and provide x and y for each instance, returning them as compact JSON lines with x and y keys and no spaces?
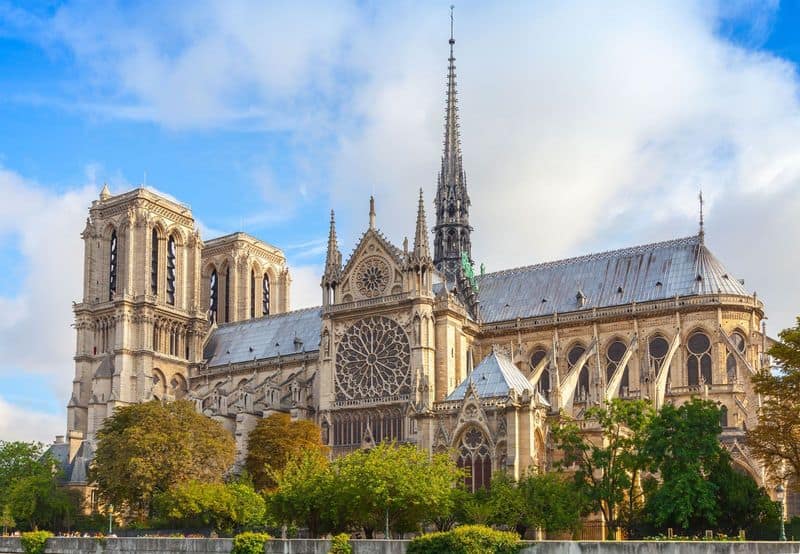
{"x":614,"y":354}
{"x":213,"y":297}
{"x":474,"y":457}
{"x":265,"y":294}
{"x":372,"y":276}
{"x":657,"y":349}
{"x":731,"y":363}
{"x":582,"y":391}
{"x":372,"y":361}
{"x":154,"y":262}
{"x":252,"y":293}
{"x":543,"y":386}
{"x":698,"y":364}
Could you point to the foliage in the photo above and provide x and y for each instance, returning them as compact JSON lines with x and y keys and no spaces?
{"x":608,"y":468}
{"x":274,"y":441}
{"x":18,"y":460}
{"x":145,"y":449}
{"x":340,"y":544}
{"x":742,"y":503}
{"x":34,"y":542}
{"x":224,"y":507}
{"x":400,"y":483}
{"x":249,"y":543}
{"x":7,"y":519}
{"x":469,"y":539}
{"x":507,"y":504}
{"x":774,"y":440}
{"x":684,"y":448}
{"x":303,"y":494}
{"x":553,"y":502}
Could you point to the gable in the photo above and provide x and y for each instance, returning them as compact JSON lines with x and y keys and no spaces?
{"x":374,"y":269}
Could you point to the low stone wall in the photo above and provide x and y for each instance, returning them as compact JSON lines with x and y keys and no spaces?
{"x":312,"y":546}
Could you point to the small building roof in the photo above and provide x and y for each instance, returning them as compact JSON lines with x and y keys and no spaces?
{"x":494,"y":377}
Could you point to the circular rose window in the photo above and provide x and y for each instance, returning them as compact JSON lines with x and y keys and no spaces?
{"x":372,"y":276}
{"x":372,"y":361}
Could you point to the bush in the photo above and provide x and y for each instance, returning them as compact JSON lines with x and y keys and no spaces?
{"x":34,"y":541}
{"x":341,"y":544}
{"x":468,"y":539}
{"x":249,"y":543}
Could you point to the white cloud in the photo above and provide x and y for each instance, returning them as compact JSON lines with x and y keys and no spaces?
{"x":45,"y":227}
{"x":305,"y":286}
{"x":20,"y":424}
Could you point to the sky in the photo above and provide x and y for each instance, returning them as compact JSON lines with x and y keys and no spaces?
{"x":586,"y":126}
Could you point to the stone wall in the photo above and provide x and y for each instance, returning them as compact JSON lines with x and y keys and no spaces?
{"x":311,"y":546}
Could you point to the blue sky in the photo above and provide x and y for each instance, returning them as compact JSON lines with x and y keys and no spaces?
{"x":586,"y":126}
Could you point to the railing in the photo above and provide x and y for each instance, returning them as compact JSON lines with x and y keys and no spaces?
{"x":377,"y":301}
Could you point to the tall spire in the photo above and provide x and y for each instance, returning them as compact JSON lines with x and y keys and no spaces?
{"x":371,"y":212}
{"x":333,"y":260}
{"x":421,"y":248}
{"x":452,"y":230}
{"x":702,"y":232}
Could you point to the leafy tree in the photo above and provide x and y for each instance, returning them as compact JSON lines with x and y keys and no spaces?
{"x":401,"y":483}
{"x":303,"y":494}
{"x":146,"y":449}
{"x":507,"y":503}
{"x":274,"y":441}
{"x":553,"y":503}
{"x":17,"y":460}
{"x":774,"y":440}
{"x":38,"y":501}
{"x":684,"y":448}
{"x":7,"y":519}
{"x":225,"y":507}
{"x":742,"y":503}
{"x":608,"y":466}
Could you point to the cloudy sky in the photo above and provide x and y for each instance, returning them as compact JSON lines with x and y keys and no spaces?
{"x":586,"y":126}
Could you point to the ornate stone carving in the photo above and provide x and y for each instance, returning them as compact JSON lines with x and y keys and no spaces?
{"x":372,"y":276}
{"x":373,"y":361}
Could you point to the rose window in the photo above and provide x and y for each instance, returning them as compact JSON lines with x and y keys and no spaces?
{"x":372,"y":361}
{"x":372,"y":277}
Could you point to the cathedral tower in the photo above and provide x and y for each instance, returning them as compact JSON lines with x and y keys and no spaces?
{"x":452,"y":230}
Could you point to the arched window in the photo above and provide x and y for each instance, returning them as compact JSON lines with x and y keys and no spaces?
{"x":112,"y":266}
{"x":698,"y":365}
{"x":265,"y":295}
{"x":575,"y":353}
{"x":172,"y":258}
{"x":614,"y":354}
{"x":213,"y":294}
{"x":731,"y":364}
{"x":252,"y":293}
{"x":474,"y":457}
{"x":227,"y":294}
{"x":543,"y":386}
{"x":154,"y":262}
{"x":723,"y":416}
{"x":657,"y":351}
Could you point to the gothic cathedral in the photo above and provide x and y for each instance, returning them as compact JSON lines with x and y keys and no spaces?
{"x":409,"y":344}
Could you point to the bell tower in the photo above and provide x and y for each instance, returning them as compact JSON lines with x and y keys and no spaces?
{"x":452,"y":230}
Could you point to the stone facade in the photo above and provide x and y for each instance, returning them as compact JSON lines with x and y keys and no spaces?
{"x":409,"y":344}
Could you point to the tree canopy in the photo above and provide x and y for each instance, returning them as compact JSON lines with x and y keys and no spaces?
{"x":145,"y":449}
{"x":274,"y":441}
{"x":774,"y":440}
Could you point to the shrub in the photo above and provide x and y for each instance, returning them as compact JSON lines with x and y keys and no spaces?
{"x":249,"y":543}
{"x":340,"y":544}
{"x":468,"y":539}
{"x":34,"y":541}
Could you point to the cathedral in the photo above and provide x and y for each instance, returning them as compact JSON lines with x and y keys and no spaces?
{"x":410,"y":343}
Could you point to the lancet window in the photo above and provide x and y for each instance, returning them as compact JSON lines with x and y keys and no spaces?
{"x":657,"y":350}
{"x":698,"y":363}
{"x":172,"y":258}
{"x":112,"y":266}
{"x":475,"y":458}
{"x":252,"y":293}
{"x":227,"y":294}
{"x":543,"y":386}
{"x":731,"y":364}
{"x":575,"y":353}
{"x":265,"y":295}
{"x":614,"y":354}
{"x":349,"y":429}
{"x":154,"y":262}
{"x":213,"y":287}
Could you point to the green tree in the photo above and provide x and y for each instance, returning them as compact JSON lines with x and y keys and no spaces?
{"x":774,"y":440}
{"x":303,"y":495}
{"x":274,"y":441}
{"x":225,"y":507}
{"x":146,"y":449}
{"x":17,"y":460}
{"x":507,"y":504}
{"x":7,"y":519}
{"x":684,"y":447}
{"x":402,"y":483}
{"x":741,"y":502}
{"x":610,"y":461}
{"x":38,"y":501}
{"x":553,"y":502}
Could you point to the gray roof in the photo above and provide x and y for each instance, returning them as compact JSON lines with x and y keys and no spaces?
{"x":658,"y":271}
{"x":75,"y":471}
{"x":265,"y":337}
{"x":494,"y":377}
